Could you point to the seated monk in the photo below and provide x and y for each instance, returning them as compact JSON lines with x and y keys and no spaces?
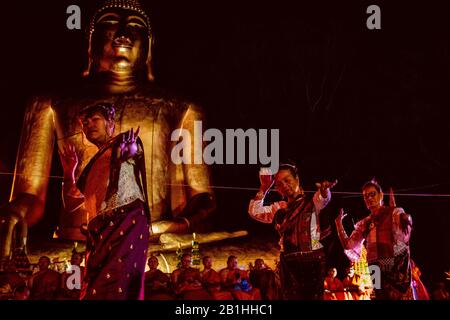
{"x":237,"y":282}
{"x":263,"y":278}
{"x":440,"y":292}
{"x":66,"y":292}
{"x":187,"y":281}
{"x":44,"y":284}
{"x":10,"y":278}
{"x":157,"y":284}
{"x":211,"y":281}
{"x":354,"y":286}
{"x":21,"y":293}
{"x":333,"y":288}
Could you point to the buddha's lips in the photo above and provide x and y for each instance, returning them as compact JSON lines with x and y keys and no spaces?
{"x":122,"y":46}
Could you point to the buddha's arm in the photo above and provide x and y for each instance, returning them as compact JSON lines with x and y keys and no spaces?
{"x":200,"y":198}
{"x":30,"y":182}
{"x":192,"y":199}
{"x":33,"y":162}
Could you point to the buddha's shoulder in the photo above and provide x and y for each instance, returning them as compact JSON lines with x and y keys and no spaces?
{"x":166,"y":97}
{"x":70,"y":95}
{"x":76,"y":96}
{"x":66,"y":89}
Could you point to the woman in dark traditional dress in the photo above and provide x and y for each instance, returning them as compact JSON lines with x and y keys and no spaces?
{"x":111,"y":190}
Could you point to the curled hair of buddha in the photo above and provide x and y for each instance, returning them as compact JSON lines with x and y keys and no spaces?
{"x":132,"y":5}
{"x":372,"y":183}
{"x":107,"y":110}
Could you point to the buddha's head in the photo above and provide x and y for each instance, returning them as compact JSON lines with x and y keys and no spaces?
{"x":120,"y":40}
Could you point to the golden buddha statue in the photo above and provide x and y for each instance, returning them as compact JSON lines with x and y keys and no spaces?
{"x":119,"y":72}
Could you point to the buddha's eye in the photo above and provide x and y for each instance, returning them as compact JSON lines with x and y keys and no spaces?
{"x":136,"y":22}
{"x":136,"y":25}
{"x":108,"y":19}
{"x":109,"y":22}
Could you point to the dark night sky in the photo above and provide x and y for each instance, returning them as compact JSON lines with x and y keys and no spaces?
{"x":377,"y":101}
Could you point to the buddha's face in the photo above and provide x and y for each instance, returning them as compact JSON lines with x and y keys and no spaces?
{"x":120,"y":42}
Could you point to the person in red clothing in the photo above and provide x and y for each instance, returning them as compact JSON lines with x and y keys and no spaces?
{"x":187,"y":281}
{"x":111,"y":193}
{"x":304,"y":230}
{"x":72,"y":293}
{"x":157,"y":283}
{"x":44,"y":285}
{"x":211,"y":281}
{"x":237,"y":281}
{"x":333,"y":288}
{"x":420,"y":291}
{"x":264,"y":278}
{"x":354,"y":286}
{"x":386,"y":232}
{"x":10,"y":278}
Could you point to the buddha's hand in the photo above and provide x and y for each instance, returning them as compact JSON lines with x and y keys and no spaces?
{"x":169,"y":226}
{"x":12,"y":226}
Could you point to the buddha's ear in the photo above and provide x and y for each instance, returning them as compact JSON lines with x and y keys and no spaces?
{"x":150,"y":76}
{"x":87,"y":71}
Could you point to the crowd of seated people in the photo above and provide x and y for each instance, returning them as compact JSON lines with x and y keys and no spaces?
{"x":184,"y":283}
{"x":352,"y":286}
{"x":258,"y":282}
{"x":237,"y":281}
{"x":230,"y":283}
{"x":44,"y":284}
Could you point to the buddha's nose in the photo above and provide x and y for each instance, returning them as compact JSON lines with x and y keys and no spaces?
{"x":122,"y":41}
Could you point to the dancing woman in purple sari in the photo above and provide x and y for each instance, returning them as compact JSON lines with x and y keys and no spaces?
{"x":111,"y":191}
